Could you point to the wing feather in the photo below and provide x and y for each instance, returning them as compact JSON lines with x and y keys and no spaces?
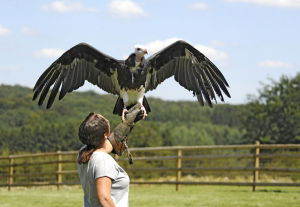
{"x":177,"y":71}
{"x":217,"y":71}
{"x":65,"y":84}
{"x":220,"y":82}
{"x":214,"y":84}
{"x":78,"y":78}
{"x":82,"y":74}
{"x":193,"y":80}
{"x":47,"y":86}
{"x":203,"y":88}
{"x":55,"y":89}
{"x":43,"y":78}
{"x":41,"y":82}
{"x":208,"y":92}
{"x":69,"y":72}
{"x":186,"y":71}
{"x":200,"y":99}
{"x":198,"y":89}
{"x":190,"y":68}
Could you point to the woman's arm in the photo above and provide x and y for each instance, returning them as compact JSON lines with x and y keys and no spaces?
{"x":119,"y":135}
{"x":103,"y":188}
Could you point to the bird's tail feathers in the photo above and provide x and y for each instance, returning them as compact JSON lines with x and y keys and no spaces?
{"x":119,"y":107}
{"x":146,"y":105}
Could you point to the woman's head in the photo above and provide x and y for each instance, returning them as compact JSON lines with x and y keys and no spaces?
{"x":93,"y":130}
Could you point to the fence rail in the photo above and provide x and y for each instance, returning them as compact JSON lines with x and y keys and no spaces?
{"x":11,"y":165}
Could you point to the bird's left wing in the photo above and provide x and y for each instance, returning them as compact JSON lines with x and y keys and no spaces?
{"x":69,"y":72}
{"x":191,"y":69}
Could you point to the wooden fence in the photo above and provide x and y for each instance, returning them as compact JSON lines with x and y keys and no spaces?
{"x":172,"y":165}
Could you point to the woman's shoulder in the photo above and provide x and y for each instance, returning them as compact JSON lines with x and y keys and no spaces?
{"x":104,"y":163}
{"x":102,"y":156}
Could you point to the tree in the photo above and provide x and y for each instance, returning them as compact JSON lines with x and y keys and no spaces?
{"x":274,"y":117}
{"x":25,"y":126}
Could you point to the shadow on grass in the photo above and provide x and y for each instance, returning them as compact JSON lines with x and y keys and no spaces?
{"x":292,"y":190}
{"x":277,"y":191}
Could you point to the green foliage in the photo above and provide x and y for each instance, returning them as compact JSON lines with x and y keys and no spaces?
{"x":24,"y":126}
{"x":274,"y":117}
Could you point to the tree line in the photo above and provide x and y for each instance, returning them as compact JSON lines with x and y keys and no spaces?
{"x":272,"y":117}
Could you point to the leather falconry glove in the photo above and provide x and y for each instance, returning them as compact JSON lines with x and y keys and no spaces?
{"x":118,"y":138}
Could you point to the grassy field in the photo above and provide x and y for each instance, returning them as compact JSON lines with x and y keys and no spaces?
{"x":160,"y":196}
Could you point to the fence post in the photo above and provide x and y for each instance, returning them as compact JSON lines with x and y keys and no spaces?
{"x":10,"y":172}
{"x":179,"y":166}
{"x":256,"y":165}
{"x":59,"y":169}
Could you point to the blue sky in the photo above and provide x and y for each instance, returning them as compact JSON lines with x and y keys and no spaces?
{"x":249,"y":40}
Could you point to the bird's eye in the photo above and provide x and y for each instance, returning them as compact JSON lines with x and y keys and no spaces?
{"x":138,"y":49}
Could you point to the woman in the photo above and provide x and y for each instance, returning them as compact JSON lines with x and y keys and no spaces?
{"x":104,"y":182}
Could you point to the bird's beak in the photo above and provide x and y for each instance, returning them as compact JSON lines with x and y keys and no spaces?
{"x":145,"y":51}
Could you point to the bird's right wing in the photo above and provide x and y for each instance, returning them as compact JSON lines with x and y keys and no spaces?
{"x":69,"y":72}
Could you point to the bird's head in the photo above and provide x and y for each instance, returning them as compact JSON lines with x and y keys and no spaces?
{"x":140,"y":52}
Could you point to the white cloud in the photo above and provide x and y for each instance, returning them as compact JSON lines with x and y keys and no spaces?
{"x":273,"y":3}
{"x":125,"y":8}
{"x":212,"y":53}
{"x":217,"y":43}
{"x":4,"y":31}
{"x":49,"y":53}
{"x":67,"y":6}
{"x":8,"y":68}
{"x":157,"y":45}
{"x":27,"y":30}
{"x":198,"y":6}
{"x":208,"y":51}
{"x":275,"y":64}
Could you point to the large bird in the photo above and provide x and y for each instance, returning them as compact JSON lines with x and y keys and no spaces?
{"x":130,"y":79}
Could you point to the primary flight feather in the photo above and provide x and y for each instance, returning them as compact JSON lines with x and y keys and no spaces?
{"x":130,"y":79}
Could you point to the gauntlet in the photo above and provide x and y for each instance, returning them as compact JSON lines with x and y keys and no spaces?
{"x":118,"y":137}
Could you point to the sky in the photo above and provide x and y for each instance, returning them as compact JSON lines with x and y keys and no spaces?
{"x":250,"y":41}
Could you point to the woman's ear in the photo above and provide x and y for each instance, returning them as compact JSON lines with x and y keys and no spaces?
{"x":106,"y":134}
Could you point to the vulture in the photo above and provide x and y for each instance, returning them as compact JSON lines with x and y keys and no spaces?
{"x":130,"y":79}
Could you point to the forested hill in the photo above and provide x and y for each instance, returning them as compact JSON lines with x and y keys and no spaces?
{"x":24,"y":126}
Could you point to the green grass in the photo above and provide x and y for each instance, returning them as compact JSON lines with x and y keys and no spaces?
{"x":160,"y":196}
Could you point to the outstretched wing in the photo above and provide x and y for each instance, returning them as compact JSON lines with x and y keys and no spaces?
{"x":81,"y":62}
{"x":191,"y":69}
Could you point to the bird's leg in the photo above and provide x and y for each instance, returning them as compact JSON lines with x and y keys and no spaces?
{"x":125,"y":98}
{"x":143,"y":109}
{"x":124,"y":112}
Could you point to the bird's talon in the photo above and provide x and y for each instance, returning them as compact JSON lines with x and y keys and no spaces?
{"x":144,"y":112}
{"x":124,"y":112}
